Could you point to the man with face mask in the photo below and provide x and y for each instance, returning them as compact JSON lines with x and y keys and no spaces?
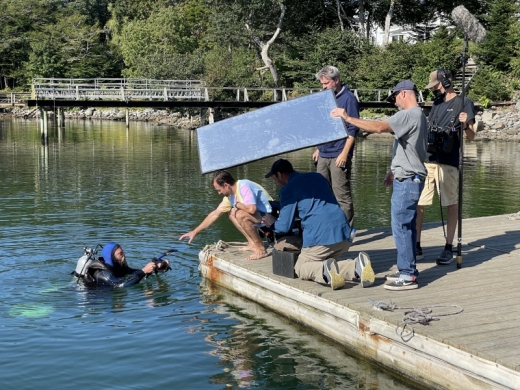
{"x":112,"y":270}
{"x":444,"y":122}
{"x":406,"y":174}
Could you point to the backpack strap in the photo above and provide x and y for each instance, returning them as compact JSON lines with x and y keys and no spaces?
{"x":457,"y":109}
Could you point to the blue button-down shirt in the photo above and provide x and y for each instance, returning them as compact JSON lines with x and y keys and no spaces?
{"x":309,"y":197}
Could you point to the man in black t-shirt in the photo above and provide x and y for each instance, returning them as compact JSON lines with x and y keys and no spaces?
{"x":449,"y":112}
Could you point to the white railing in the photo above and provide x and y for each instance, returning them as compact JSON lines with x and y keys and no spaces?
{"x":167,"y":90}
{"x":14,"y":98}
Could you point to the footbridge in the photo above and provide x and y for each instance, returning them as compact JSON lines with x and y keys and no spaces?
{"x":105,"y":92}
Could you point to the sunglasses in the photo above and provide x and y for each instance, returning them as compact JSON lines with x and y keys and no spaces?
{"x":391,"y":98}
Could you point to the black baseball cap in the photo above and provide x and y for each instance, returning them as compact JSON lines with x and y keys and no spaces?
{"x":281,"y":166}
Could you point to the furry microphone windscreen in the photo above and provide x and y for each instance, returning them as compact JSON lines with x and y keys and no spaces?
{"x":468,"y":24}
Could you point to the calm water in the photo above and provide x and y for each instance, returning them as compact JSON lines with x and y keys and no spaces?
{"x":97,"y":182}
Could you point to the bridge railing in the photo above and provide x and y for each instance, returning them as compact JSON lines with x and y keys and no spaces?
{"x":168,"y":90}
{"x":116,"y":89}
{"x":14,"y":98}
{"x":98,"y":83}
{"x":283,"y":94}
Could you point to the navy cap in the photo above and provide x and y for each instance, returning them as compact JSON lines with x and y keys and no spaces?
{"x":406,"y":85}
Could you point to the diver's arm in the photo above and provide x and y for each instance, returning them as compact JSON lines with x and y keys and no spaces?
{"x":105,"y":278}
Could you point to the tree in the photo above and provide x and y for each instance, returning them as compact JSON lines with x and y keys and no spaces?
{"x":498,"y":47}
{"x":166,"y":44}
{"x":18,"y":18}
{"x":71,"y":48}
{"x":264,"y":47}
{"x":388,"y":20}
{"x":307,"y":54}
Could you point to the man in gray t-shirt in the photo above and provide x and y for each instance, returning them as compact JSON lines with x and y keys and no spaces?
{"x":407,"y":174}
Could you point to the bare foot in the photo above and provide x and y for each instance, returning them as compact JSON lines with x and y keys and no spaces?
{"x":247,"y":248}
{"x":257,"y":255}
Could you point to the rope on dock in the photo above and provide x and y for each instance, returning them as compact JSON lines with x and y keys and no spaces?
{"x":413,"y":315}
{"x":515,"y":216}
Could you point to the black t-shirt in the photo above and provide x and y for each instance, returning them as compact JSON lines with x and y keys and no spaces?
{"x":441,"y":116}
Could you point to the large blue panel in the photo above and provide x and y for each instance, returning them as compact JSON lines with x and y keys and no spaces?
{"x":272,"y":130}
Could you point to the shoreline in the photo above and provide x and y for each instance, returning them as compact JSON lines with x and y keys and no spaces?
{"x":495,"y":124}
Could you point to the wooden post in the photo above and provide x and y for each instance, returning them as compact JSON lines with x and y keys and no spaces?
{"x":42,"y":114}
{"x":127,"y":118}
{"x":45,"y":127}
{"x":61,"y":115}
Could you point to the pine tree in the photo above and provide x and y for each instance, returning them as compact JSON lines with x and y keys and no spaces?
{"x":498,"y":47}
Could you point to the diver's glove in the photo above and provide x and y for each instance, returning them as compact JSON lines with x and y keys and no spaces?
{"x":161,"y":265}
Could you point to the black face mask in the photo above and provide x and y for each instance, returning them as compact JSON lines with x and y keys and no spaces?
{"x":438,"y":94}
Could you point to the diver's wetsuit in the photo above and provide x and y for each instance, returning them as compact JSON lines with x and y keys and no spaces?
{"x":101,"y":274}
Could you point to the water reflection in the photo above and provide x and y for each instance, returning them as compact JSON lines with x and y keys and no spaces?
{"x":267,"y":351}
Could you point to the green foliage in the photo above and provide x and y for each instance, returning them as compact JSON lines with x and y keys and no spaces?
{"x":70,"y":48}
{"x":444,"y":50}
{"x":306,"y":55}
{"x":498,"y":47}
{"x":124,"y":11}
{"x":236,"y":68}
{"x":514,"y":32}
{"x":166,"y":44}
{"x":18,"y":19}
{"x":489,"y":84}
{"x":384,"y":67}
{"x":218,"y":41}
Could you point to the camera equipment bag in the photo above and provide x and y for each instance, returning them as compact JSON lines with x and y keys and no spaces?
{"x":441,"y":139}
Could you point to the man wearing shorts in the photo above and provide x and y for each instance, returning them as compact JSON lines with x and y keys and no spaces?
{"x":447,"y":115}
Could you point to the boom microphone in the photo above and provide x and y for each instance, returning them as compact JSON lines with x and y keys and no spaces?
{"x":468,"y":24}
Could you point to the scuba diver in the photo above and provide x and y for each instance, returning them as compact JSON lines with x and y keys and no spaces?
{"x":111,"y":268}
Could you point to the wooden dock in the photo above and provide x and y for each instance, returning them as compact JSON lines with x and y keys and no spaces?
{"x":478,"y":348}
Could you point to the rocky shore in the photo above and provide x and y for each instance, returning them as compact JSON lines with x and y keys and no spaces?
{"x":181,"y":120}
{"x":496,"y":123}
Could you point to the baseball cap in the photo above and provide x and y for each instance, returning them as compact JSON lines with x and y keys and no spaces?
{"x":406,"y":85}
{"x":434,"y":78}
{"x":282,"y":166}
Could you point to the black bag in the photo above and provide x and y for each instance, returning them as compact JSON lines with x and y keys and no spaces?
{"x":442,"y":139}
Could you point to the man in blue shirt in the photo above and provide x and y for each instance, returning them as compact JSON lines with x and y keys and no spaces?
{"x":326,"y":231}
{"x":334,"y":159}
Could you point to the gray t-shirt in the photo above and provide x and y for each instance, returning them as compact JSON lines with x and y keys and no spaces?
{"x":410,"y":129}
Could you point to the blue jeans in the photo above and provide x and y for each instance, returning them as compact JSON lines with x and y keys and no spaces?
{"x":405,"y":197}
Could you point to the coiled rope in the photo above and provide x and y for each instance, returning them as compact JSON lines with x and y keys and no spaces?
{"x":413,"y":315}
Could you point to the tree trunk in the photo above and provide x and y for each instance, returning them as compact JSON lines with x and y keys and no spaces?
{"x":338,"y":9}
{"x":361,"y":19}
{"x":388,"y":21}
{"x":269,"y":64}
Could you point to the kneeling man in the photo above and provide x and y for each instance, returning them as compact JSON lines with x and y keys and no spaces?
{"x":326,"y":231}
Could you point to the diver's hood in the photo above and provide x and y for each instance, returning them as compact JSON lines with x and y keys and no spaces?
{"x":108,"y":252}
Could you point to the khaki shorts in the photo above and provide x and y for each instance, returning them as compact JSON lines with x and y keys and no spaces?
{"x":444,"y":176}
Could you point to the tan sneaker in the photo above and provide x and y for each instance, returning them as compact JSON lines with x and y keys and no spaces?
{"x":331,"y":273}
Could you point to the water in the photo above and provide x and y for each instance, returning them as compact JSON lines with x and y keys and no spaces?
{"x":96,"y":182}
